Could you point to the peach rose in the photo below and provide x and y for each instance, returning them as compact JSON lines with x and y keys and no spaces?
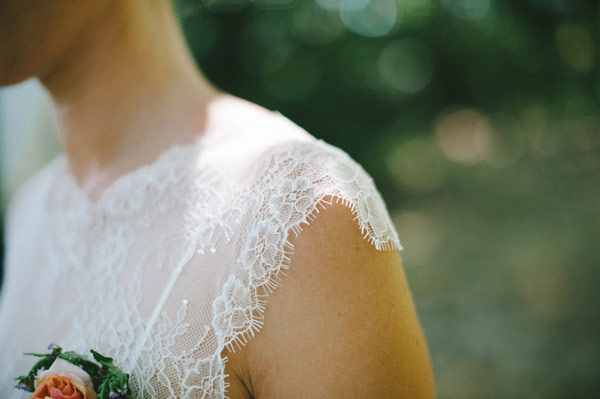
{"x":64,"y":380}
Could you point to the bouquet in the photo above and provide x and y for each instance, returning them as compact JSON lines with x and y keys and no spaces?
{"x":69,"y":375}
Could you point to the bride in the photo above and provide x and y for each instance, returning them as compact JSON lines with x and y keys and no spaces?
{"x":212,"y":247}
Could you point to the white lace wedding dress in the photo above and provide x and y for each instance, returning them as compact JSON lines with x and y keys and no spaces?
{"x":176,"y":259}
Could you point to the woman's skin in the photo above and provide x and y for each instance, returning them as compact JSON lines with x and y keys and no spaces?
{"x":342,"y":323}
{"x":119,"y":75}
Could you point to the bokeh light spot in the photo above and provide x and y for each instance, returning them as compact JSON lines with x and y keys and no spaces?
{"x":416,"y":165}
{"x":576,"y":46}
{"x":353,"y":5}
{"x":370,"y":18}
{"x":406,"y":64}
{"x":465,"y":136}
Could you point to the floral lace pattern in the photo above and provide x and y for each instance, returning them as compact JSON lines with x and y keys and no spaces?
{"x":296,"y":180}
{"x":176,"y":262}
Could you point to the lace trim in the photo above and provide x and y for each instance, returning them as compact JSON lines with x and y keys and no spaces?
{"x":127,"y":193}
{"x":296,"y":182}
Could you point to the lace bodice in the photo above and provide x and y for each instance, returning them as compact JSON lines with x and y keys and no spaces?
{"x":175,"y":262}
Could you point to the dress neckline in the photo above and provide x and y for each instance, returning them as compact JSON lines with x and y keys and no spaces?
{"x":130,"y":183}
{"x":135,"y":184}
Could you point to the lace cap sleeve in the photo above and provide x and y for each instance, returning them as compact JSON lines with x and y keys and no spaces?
{"x":298,"y":179}
{"x":292,"y":183}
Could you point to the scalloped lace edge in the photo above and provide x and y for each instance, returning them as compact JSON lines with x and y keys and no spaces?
{"x":240,"y":340}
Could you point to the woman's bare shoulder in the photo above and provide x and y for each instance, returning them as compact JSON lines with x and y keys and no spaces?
{"x":341,"y":324}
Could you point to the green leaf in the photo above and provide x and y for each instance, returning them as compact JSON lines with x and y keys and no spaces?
{"x":43,"y":364}
{"x":115,"y":380}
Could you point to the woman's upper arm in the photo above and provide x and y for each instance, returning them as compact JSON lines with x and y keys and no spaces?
{"x":342,"y":322}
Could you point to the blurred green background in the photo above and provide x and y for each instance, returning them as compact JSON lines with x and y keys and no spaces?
{"x":479,"y":121}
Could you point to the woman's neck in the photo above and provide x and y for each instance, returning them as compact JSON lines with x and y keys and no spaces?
{"x":125,"y":92}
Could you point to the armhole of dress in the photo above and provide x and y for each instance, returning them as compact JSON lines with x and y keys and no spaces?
{"x":267,"y":252}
